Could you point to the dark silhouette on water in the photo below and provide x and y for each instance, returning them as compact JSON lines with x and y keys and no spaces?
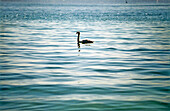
{"x":126,"y":1}
{"x":83,"y":41}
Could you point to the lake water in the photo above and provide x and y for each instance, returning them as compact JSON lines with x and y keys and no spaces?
{"x":126,"y":68}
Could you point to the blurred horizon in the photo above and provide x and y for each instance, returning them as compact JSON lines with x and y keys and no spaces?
{"x":90,"y":1}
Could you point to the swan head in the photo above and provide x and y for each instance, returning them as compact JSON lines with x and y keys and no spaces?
{"x":78,"y":33}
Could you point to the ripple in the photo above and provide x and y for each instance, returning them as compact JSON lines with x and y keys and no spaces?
{"x":126,"y":68}
{"x":15,"y":76}
{"x":111,"y":48}
{"x":2,"y":35}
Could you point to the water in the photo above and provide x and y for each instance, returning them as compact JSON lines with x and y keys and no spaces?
{"x":126,"y":68}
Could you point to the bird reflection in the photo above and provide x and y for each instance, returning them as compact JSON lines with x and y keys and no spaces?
{"x":78,"y":45}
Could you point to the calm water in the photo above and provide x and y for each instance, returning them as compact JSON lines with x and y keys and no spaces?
{"x":126,"y":68}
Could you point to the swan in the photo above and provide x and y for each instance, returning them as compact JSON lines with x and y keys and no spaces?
{"x":83,"y":41}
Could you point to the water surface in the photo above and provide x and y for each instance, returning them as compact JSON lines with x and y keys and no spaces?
{"x":126,"y":68}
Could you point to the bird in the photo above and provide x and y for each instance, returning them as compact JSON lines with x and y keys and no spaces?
{"x":83,"y":41}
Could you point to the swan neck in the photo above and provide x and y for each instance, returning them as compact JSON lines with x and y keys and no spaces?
{"x":78,"y":38}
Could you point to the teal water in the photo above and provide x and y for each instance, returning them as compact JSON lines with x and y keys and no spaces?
{"x":126,"y":68}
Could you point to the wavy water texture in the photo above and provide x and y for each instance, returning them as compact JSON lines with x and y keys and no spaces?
{"x":126,"y":68}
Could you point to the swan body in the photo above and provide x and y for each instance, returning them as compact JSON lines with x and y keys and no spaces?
{"x":83,"y":41}
{"x":86,"y":41}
